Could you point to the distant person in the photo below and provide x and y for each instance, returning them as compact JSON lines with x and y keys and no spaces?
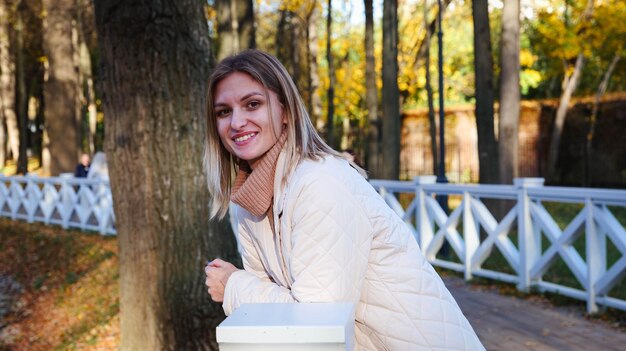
{"x":98,"y":168}
{"x":82,"y":168}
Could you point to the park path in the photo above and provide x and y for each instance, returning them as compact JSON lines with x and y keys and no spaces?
{"x":508,"y":323}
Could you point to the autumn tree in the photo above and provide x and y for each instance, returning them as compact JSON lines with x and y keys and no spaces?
{"x":156,"y":60}
{"x":7,"y":79}
{"x":391,"y":95}
{"x":373,"y":133}
{"x":483,"y":70}
{"x":571,"y":79}
{"x":8,"y":84}
{"x":60,"y":89}
{"x":509,"y":110}
{"x":235,"y":27}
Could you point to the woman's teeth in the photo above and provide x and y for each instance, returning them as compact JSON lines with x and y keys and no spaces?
{"x":244,"y":138}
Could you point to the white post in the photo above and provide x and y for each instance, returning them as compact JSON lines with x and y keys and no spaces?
{"x":470,"y":234}
{"x":595,"y":255}
{"x":288,"y":326}
{"x":424,"y":225}
{"x":529,"y":240}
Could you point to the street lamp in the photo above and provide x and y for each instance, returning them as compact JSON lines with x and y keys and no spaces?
{"x":441,"y":177}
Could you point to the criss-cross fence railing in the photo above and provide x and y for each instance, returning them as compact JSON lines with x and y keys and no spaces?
{"x":70,"y":202}
{"x":527,"y":236}
{"x":470,"y":229}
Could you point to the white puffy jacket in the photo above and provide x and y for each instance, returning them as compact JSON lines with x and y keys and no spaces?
{"x":337,"y":241}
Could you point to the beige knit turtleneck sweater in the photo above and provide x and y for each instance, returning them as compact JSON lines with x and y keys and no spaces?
{"x":254,"y":186}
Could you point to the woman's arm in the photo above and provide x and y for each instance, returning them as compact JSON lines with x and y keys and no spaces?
{"x":330,"y":243}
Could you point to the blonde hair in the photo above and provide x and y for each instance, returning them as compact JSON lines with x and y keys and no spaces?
{"x":303,"y":141}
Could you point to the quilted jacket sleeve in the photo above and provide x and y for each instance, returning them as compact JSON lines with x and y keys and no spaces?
{"x":330,"y":240}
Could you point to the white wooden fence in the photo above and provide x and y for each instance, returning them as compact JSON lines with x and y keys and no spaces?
{"x":70,"y":202}
{"x":527,"y":258}
{"x":87,"y":204}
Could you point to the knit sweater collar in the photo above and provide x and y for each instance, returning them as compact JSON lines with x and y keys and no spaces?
{"x":254,"y":187}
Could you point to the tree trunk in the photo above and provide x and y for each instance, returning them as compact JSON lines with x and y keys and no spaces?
{"x":373,"y":135}
{"x":509,"y":92}
{"x":155,"y":85}
{"x":569,"y":85}
{"x":7,"y":80}
{"x":391,"y":94}
{"x":594,"y":115}
{"x":8,"y":86}
{"x":22,"y":96}
{"x":330,"y":93}
{"x":235,"y":28}
{"x":432,"y":121}
{"x":315,"y":102}
{"x":60,"y":89}
{"x":86,"y":101}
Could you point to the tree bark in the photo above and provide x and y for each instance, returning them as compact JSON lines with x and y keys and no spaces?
{"x":373,"y":135}
{"x":235,"y":26}
{"x":509,"y":92}
{"x":315,"y":102}
{"x":432,"y":121}
{"x":22,"y":96}
{"x":87,"y":102}
{"x":155,"y":58}
{"x":391,"y":94}
{"x":330,"y":93}
{"x":7,"y":80}
{"x":60,"y":89}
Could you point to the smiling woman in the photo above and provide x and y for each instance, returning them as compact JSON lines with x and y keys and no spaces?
{"x":247,"y":125}
{"x":311,"y":228}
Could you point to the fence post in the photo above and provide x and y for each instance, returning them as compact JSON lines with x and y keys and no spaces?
{"x":470,"y":234}
{"x":424,"y":224}
{"x":529,"y":240}
{"x":595,"y":255}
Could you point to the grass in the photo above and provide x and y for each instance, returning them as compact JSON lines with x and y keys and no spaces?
{"x":70,"y":298}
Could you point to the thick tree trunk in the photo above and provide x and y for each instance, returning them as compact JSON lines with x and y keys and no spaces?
{"x":483,"y":67}
{"x":391,"y":94}
{"x":432,"y":122}
{"x":330,"y":93}
{"x":373,"y":130}
{"x":60,"y":89}
{"x":156,"y":57}
{"x":509,"y":92}
{"x":235,"y":26}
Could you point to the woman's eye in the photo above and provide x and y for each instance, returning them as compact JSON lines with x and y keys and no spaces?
{"x":253,"y":104}
{"x":222,"y":113}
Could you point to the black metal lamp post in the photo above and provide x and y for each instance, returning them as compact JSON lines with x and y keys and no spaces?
{"x":441,"y":177}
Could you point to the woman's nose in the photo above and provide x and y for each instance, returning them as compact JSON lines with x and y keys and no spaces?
{"x":238,"y":120}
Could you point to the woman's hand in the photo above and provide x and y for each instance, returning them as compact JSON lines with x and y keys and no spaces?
{"x":217,"y":273}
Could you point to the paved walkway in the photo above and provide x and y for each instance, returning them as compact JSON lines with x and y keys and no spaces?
{"x":506,"y":323}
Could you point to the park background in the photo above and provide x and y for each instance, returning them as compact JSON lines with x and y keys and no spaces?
{"x":130,"y":79}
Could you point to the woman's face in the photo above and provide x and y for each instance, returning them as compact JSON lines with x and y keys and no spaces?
{"x":243,"y":118}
